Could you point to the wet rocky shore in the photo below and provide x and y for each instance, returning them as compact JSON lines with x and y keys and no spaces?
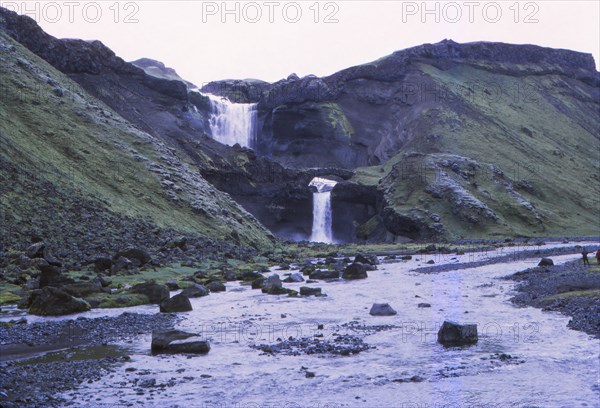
{"x":83,"y":351}
{"x":572,"y":289}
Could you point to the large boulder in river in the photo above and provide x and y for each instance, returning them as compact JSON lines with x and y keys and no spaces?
{"x":51,"y":301}
{"x":322,"y":275}
{"x":138,"y":256}
{"x":195,"y":291}
{"x":382,"y":309}
{"x":546,"y":262}
{"x":155,"y":292}
{"x":308,"y":291}
{"x":215,"y":287}
{"x":355,"y":271}
{"x":177,"y":341}
{"x":273,"y":286}
{"x":178,"y":303}
{"x":294,"y":278}
{"x":366,"y":259}
{"x":454,"y":334}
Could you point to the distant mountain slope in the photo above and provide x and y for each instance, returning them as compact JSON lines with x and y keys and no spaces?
{"x":439,"y":141}
{"x":77,"y":174}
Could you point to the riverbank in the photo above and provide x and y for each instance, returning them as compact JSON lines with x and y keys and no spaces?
{"x":41,"y":360}
{"x":572,"y":289}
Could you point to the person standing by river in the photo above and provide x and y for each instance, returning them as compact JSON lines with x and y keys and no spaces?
{"x":584,"y":254}
{"x":598,"y":256}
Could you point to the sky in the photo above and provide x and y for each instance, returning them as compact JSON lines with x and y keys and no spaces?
{"x":268,"y":40}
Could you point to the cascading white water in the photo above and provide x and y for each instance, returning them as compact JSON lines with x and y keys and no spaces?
{"x":232,"y":123}
{"x":322,"y":217}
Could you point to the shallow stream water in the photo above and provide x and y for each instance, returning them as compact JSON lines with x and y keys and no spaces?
{"x":551,"y":365}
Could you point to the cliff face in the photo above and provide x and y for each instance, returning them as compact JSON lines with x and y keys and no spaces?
{"x":439,"y":140}
{"x":75,"y":173}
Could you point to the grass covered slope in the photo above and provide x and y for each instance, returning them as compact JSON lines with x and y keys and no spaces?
{"x":493,"y":150}
{"x":71,"y":168}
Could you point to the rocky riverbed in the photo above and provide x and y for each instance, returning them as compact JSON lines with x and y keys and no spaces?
{"x":81,"y":350}
{"x":327,"y":343}
{"x":572,"y":289}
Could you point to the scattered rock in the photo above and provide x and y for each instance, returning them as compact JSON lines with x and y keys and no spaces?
{"x":195,"y":291}
{"x":178,"y":303}
{"x":294,"y":278}
{"x":36,"y":250}
{"x":51,"y":301}
{"x":454,"y":334}
{"x":273,"y":286}
{"x":308,"y":291}
{"x":322,"y":275}
{"x":172,"y":285}
{"x":156,"y":293}
{"x":258,"y":283}
{"x":355,"y":271}
{"x":423,"y":305}
{"x":382,"y":309}
{"x":366,"y":259}
{"x":215,"y":287}
{"x":137,"y":256}
{"x":51,"y":259}
{"x":121,"y":264}
{"x":50,"y":275}
{"x":546,"y":262}
{"x":171,"y":341}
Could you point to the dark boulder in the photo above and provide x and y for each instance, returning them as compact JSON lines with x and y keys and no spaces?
{"x":195,"y":291}
{"x":216,"y":287}
{"x":51,"y":301}
{"x":308,"y":269}
{"x":178,"y":303}
{"x":36,"y":250}
{"x":83,"y":289}
{"x":424,"y":305}
{"x":366,"y":259}
{"x":102,"y":264}
{"x":177,"y":341}
{"x":138,"y":256}
{"x":103,"y":281}
{"x":258,"y":283}
{"x":249,"y":276}
{"x":454,"y":334}
{"x":382,"y":309}
{"x":50,"y":275}
{"x":546,"y":262}
{"x":172,"y":285}
{"x":121,"y":264}
{"x":355,"y":271}
{"x":294,"y":278}
{"x":308,"y":291}
{"x":273,"y":286}
{"x":322,"y":275}
{"x":156,"y":293}
{"x":51,"y":259}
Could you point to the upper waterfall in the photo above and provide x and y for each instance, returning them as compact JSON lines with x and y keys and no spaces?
{"x":232,"y":123}
{"x":322,"y":230}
